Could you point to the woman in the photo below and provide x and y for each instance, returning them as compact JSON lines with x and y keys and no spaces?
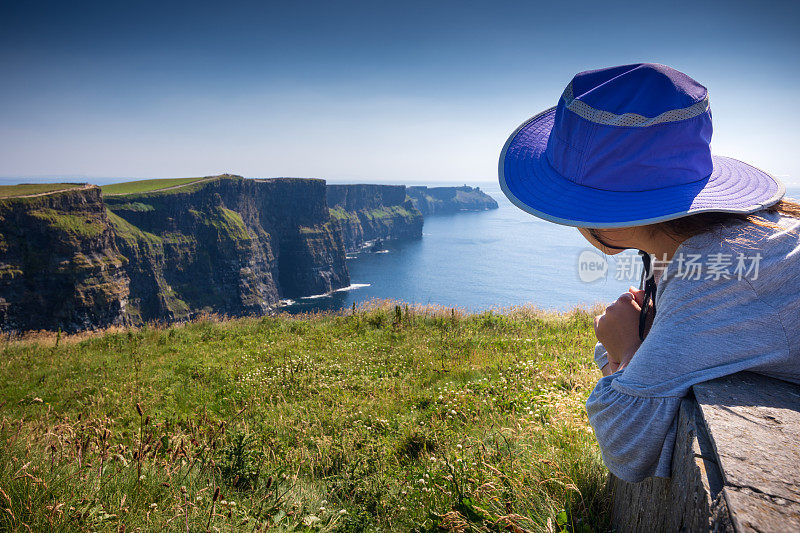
{"x":625,"y":158}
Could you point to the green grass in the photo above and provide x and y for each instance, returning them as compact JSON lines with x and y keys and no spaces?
{"x":125,"y":230}
{"x":387,"y":419}
{"x":389,"y":212}
{"x":135,"y":206}
{"x":225,"y":221}
{"x":9,"y":191}
{"x":80,"y":225}
{"x":143,"y":186}
{"x":339,"y":213}
{"x":385,"y":212}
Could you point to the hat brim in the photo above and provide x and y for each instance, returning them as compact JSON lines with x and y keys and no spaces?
{"x":531,"y":183}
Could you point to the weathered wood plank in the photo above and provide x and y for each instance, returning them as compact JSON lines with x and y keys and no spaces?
{"x":754,"y":426}
{"x":756,"y":512}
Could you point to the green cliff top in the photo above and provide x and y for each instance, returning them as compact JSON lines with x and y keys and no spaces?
{"x":28,"y":189}
{"x":140,"y":186}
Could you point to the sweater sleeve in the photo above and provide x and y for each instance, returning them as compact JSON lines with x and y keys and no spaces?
{"x":636,"y":434}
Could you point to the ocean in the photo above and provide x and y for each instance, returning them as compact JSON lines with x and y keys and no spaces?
{"x":486,"y":260}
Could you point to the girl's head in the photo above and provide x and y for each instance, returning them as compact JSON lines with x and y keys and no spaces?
{"x":627,"y":152}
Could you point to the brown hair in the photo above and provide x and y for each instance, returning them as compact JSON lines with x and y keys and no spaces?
{"x":684,"y":227}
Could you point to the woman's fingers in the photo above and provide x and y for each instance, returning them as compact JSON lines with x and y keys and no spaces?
{"x":626,"y":301}
{"x":638,"y":295}
{"x":618,"y":327}
{"x":622,"y":309}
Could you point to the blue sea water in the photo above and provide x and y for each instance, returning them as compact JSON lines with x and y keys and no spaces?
{"x":477,"y":261}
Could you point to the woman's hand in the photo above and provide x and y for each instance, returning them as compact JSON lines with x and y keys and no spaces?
{"x":618,"y":329}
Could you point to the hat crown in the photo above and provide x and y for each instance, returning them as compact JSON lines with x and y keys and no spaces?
{"x":632,"y":128}
{"x":646,"y":89}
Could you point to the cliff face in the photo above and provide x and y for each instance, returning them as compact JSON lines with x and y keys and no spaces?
{"x":230,"y":246}
{"x":369,"y":212}
{"x":75,"y":260}
{"x":59,"y":264}
{"x":443,"y":200}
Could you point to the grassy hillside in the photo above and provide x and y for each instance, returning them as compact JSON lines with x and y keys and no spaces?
{"x":8,"y":191}
{"x":143,"y":186}
{"x":388,"y":418}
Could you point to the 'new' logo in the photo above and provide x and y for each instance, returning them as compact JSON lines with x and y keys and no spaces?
{"x":592,"y":266}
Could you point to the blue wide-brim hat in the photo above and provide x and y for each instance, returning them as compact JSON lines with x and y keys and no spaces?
{"x":628,"y":146}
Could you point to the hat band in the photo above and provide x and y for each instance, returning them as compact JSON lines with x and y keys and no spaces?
{"x":598,"y":116}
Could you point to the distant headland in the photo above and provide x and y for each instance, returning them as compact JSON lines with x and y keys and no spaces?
{"x":442,"y":200}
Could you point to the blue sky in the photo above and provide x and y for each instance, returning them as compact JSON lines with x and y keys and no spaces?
{"x":364,"y":91}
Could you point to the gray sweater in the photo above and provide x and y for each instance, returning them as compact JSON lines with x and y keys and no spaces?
{"x":704,"y":328}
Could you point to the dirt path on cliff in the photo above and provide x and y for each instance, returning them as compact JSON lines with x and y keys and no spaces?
{"x":81,"y":188}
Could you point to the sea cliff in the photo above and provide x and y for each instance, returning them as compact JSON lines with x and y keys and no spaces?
{"x":445,"y":200}
{"x":227,"y":245}
{"x":59,"y":263}
{"x":76,"y":260}
{"x":367,"y":213}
